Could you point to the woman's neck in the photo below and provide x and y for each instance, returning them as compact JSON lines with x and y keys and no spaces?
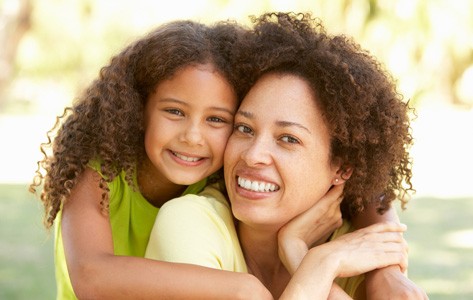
{"x":260,"y":249}
{"x":155,"y":187}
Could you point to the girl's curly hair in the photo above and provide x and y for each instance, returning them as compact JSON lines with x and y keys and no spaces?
{"x":368,"y":120}
{"x":106,"y":122}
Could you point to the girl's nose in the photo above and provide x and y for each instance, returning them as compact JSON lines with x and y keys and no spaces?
{"x":192,"y":135}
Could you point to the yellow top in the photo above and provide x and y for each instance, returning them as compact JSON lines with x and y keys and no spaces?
{"x":197,"y":229}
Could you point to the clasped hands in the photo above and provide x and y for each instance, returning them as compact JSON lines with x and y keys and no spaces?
{"x":378,"y":250}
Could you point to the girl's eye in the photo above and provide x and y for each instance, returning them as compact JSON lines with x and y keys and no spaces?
{"x":174,"y":111}
{"x":290,"y":140}
{"x":243,"y":129}
{"x":216,"y":120}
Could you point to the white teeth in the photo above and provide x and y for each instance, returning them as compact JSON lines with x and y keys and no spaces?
{"x":246,"y":184}
{"x":186,"y":158}
{"x":267,"y":186}
{"x":257,"y":186}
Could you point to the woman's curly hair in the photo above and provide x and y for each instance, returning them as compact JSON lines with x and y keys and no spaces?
{"x":106,"y":122}
{"x":368,"y":120}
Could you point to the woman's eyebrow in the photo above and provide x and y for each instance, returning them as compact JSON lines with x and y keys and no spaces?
{"x":246,"y":114}
{"x":290,"y":124}
{"x":250,"y":115}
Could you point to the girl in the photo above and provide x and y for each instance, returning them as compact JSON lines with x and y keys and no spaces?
{"x":155,"y":121}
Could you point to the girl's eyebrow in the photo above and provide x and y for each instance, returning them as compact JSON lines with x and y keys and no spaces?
{"x":251,"y":116}
{"x":223,"y":109}
{"x":219,"y":108}
{"x":173,"y":100}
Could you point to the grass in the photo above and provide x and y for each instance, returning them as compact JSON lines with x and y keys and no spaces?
{"x":440,"y":236}
{"x":26,"y":249}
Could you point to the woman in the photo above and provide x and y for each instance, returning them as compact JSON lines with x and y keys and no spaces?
{"x":321,"y":114}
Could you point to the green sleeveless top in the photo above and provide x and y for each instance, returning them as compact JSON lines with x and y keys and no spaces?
{"x":131,"y":217}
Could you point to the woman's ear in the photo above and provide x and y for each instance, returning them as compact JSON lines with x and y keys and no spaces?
{"x":342,"y":175}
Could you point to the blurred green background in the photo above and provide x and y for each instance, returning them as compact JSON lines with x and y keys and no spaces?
{"x":51,"y":49}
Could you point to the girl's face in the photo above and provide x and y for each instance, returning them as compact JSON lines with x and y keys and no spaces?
{"x":277,"y":161}
{"x":188,"y":120}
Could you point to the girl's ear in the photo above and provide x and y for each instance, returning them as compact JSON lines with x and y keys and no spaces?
{"x":342,"y":175}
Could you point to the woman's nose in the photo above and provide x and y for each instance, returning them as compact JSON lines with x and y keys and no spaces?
{"x":257,"y":152}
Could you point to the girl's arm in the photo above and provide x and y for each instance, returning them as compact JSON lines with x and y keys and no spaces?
{"x":96,"y":273}
{"x":370,"y":216}
{"x":392,"y":280}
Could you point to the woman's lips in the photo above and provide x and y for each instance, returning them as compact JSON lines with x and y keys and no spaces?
{"x":256,"y":185}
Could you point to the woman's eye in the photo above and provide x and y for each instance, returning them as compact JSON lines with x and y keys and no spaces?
{"x":174,"y":111}
{"x":289,"y":139}
{"x":243,"y":129}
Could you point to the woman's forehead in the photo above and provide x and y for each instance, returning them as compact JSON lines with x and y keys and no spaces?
{"x":286,"y":94}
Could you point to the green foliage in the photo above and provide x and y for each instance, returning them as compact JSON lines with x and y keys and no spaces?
{"x":423,"y":43}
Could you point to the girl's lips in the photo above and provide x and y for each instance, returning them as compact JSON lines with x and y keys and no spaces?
{"x":186,"y":159}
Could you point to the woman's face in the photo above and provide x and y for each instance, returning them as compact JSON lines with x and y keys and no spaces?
{"x":277,"y":161}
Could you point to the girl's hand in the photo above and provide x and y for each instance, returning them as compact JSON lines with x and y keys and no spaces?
{"x":311,"y":228}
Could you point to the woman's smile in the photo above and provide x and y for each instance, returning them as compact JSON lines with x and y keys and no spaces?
{"x":256,"y":186}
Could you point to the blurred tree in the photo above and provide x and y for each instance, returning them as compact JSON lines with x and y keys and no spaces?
{"x":15,"y":21}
